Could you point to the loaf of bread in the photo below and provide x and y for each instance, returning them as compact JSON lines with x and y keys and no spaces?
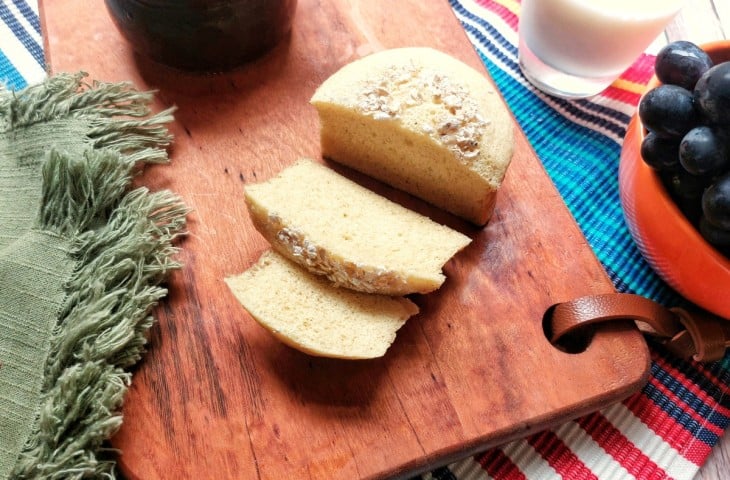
{"x":358,"y":239}
{"x":423,"y":122}
{"x":308,"y":313}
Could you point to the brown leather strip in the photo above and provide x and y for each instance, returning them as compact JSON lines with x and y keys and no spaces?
{"x":697,"y":335}
{"x":710,"y":335}
{"x":577,"y":313}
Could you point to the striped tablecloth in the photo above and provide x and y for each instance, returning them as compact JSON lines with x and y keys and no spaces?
{"x":669,"y":428}
{"x":21,"y":44}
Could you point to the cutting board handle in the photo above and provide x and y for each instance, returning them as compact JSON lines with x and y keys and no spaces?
{"x":690,"y":334}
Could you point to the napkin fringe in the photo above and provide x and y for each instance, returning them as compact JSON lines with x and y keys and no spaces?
{"x":117,"y":114}
{"x":123,"y":244}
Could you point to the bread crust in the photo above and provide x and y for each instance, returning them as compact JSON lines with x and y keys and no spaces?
{"x":314,"y":247}
{"x":308,"y":313}
{"x":421,"y":121}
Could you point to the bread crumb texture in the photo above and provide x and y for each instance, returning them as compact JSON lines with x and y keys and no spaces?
{"x":421,"y":121}
{"x":310,"y":314}
{"x":356,"y":238}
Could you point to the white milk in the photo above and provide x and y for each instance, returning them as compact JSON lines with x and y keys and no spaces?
{"x":592,"y":38}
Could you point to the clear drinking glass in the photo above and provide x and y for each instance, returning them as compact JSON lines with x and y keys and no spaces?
{"x":577,"y":48}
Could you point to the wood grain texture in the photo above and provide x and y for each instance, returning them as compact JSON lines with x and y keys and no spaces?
{"x":217,"y":397}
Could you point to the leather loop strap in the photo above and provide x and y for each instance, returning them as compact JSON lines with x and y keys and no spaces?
{"x":709,"y":336}
{"x":697,"y":335}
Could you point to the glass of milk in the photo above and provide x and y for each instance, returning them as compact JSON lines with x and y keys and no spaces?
{"x":577,"y":48}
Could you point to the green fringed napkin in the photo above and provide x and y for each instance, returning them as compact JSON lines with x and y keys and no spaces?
{"x":82,"y":258}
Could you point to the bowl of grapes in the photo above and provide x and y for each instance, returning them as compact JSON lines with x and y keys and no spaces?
{"x":674,"y":173}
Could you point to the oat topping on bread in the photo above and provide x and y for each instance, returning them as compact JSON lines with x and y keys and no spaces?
{"x":421,"y":121}
{"x":458,"y":124}
{"x":358,"y":239}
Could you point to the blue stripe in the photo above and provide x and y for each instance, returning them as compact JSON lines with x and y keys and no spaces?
{"x":29,"y":14}
{"x":650,"y":284}
{"x":31,"y":45}
{"x":713,"y":388}
{"x":618,"y":115}
{"x":695,"y":403}
{"x":496,"y":34}
{"x":9,"y":75}
{"x":620,"y":285}
{"x":680,"y":416}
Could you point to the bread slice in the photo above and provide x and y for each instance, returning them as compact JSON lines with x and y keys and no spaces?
{"x":308,"y":313}
{"x":358,"y":239}
{"x":423,"y":122}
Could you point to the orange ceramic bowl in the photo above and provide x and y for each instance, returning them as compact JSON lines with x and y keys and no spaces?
{"x":670,"y":244}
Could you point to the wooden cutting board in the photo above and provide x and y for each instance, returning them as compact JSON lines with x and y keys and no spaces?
{"x":217,"y":397}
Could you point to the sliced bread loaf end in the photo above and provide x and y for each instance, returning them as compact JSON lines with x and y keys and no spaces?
{"x":308,"y":313}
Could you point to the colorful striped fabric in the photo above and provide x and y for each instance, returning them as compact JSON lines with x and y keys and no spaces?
{"x":665,"y":431}
{"x":21,"y":44}
{"x":669,"y":428}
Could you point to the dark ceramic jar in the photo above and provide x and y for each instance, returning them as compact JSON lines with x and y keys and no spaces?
{"x":202,"y":34}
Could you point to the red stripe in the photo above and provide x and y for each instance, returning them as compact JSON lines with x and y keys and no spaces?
{"x":709,"y":375}
{"x":692,"y":387}
{"x":559,"y":456}
{"x":504,"y":12}
{"x":667,"y":428}
{"x":621,"y":95}
{"x":641,"y":71}
{"x":498,"y":465}
{"x":680,"y":403}
{"x":620,"y":447}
